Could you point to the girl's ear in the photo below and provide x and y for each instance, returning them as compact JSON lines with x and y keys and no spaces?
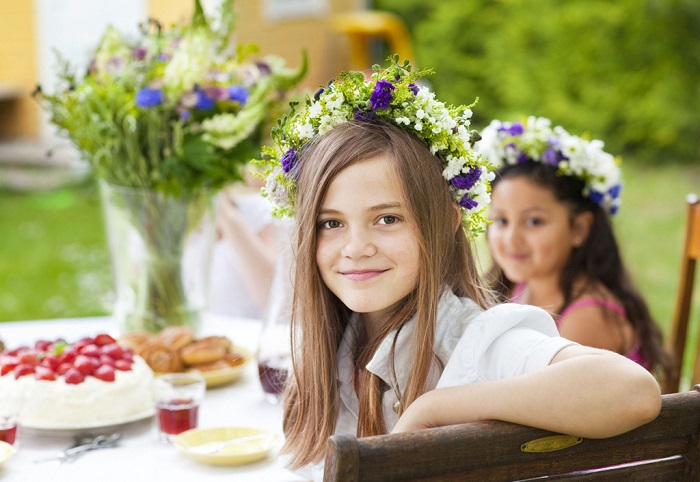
{"x":457,"y":217}
{"x":581,"y":228}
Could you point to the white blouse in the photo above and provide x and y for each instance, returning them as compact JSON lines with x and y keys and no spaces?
{"x":474,"y":345}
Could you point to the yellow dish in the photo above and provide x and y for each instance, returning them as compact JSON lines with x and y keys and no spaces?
{"x":6,"y":451}
{"x":216,"y":378}
{"x":255,"y":444}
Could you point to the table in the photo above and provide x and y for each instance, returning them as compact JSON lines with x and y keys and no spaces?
{"x":140,"y":456}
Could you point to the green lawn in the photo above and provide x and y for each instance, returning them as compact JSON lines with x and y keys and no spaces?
{"x":54,"y":260}
{"x":53,"y":256}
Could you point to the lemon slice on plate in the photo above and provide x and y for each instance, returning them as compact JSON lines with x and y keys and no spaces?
{"x":227,"y":445}
{"x":6,"y":451}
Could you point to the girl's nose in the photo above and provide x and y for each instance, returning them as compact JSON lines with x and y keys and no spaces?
{"x":358,"y":243}
{"x":513,"y":235}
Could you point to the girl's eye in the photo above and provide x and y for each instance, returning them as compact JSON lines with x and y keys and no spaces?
{"x":388,"y":219}
{"x":330,"y":224}
{"x":535,"y":221}
{"x":499,"y":221}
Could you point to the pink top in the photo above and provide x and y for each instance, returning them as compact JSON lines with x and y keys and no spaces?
{"x":634,"y":354}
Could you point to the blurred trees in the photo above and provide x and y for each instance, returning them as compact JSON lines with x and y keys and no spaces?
{"x":627,"y":71}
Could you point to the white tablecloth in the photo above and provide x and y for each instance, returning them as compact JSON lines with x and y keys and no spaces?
{"x":139,"y":455}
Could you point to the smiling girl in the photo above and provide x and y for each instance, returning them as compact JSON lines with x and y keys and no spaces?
{"x":553,"y":243}
{"x":392,"y":330}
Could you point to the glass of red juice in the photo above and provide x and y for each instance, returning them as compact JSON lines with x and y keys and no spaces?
{"x":10,"y":406}
{"x":178,"y":397}
{"x":273,"y":371}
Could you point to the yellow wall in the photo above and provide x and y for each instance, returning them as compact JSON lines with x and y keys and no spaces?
{"x":18,"y":69}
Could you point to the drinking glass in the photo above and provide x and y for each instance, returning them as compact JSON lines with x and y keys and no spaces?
{"x":10,"y":406}
{"x":178,"y":397}
{"x":274,"y":347}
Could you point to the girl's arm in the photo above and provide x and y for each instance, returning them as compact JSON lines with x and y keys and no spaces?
{"x":584,"y":391}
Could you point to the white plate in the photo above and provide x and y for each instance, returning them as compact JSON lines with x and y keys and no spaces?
{"x":87,"y":426}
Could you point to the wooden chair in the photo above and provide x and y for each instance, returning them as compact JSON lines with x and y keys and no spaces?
{"x":679,"y":328}
{"x":665,"y":449}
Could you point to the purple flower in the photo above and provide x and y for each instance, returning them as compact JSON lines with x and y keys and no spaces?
{"x":381,"y":96}
{"x":550,"y":156}
{"x":139,"y":53}
{"x":414,"y":88}
{"x":148,"y":97}
{"x":203,"y":102}
{"x":615,"y":191}
{"x":515,"y":129}
{"x":238,"y":93}
{"x":467,"y":181}
{"x":596,"y":197}
{"x":264,"y":68}
{"x":467,"y":202}
{"x":363,"y":115}
{"x":318,"y":93}
{"x":216,"y":93}
{"x":289,"y":159}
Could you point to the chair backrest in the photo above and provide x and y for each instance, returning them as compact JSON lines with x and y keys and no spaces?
{"x":681,"y":316}
{"x":667,"y":448}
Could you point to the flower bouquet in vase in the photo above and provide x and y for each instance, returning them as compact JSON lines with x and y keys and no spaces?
{"x":165,"y":120}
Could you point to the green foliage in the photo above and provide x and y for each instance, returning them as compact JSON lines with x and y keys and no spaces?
{"x":626,"y":71}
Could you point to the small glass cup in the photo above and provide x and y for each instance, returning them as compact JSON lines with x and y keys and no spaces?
{"x":10,"y":407}
{"x":178,"y":396}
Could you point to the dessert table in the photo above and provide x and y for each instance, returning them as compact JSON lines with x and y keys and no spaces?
{"x":139,"y":455}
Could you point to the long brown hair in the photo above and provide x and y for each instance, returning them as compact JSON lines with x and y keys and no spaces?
{"x":319,"y":318}
{"x":597,"y":261}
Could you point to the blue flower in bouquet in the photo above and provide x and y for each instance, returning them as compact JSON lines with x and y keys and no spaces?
{"x":176,"y":109}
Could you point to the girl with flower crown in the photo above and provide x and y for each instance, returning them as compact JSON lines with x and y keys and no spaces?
{"x":391,"y":328}
{"x":553,"y":243}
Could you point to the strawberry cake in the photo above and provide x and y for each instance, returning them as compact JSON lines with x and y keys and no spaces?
{"x":91,"y":382}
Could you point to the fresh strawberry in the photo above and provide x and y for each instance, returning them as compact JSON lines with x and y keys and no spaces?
{"x":63,"y":368}
{"x":103,"y":339}
{"x":105,"y":373}
{"x":113,"y":350}
{"x":7,"y":364}
{"x":29,"y":357}
{"x":84,"y":364}
{"x":123,"y":365}
{"x":50,"y":361}
{"x":106,"y":360}
{"x":90,"y":350}
{"x":74,"y":376}
{"x":44,"y":373}
{"x":42,"y":345}
{"x":23,"y":369}
{"x":67,"y":355}
{"x":128,"y":354}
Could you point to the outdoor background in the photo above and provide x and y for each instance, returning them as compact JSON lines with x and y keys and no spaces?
{"x":626,"y":72}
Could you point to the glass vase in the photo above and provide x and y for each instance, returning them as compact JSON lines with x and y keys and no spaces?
{"x":160,"y":247}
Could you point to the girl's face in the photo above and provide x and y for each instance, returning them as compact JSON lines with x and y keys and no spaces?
{"x":367,"y":252}
{"x":532,"y":234}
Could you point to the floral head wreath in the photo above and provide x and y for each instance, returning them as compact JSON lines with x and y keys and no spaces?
{"x":535,"y":140}
{"x":391,"y":95}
